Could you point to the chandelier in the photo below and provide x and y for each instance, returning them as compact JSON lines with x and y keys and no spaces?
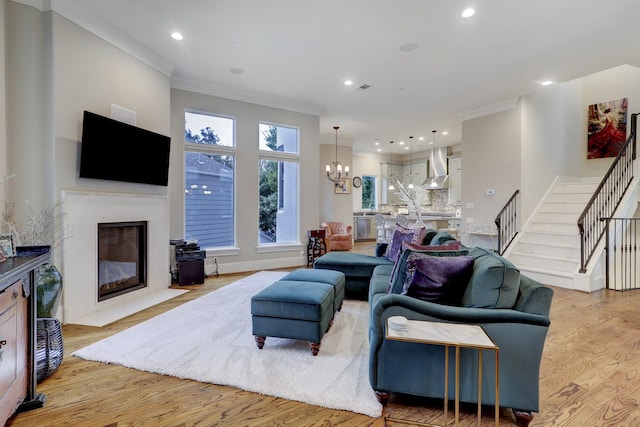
{"x":337,"y":176}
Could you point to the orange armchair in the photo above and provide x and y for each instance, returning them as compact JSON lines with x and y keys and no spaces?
{"x":337,"y":236}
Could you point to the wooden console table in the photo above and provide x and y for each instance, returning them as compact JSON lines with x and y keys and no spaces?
{"x":458,"y":336}
{"x":18,"y":335}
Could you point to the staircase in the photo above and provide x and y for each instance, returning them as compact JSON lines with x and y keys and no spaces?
{"x":547,"y":249}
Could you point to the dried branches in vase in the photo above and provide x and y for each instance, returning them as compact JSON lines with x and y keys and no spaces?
{"x":414,"y":198}
{"x":38,"y":227}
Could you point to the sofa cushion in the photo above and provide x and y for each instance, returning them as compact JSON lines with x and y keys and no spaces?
{"x":399,"y":272}
{"x":381,"y":249}
{"x":453,"y":246}
{"x":401,"y":235}
{"x":352,"y":264}
{"x":441,"y":238}
{"x":437,"y":279}
{"x":494,"y":283}
{"x":429,"y":234}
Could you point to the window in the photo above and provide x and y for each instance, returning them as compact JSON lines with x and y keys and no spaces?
{"x":368,"y":192}
{"x":209,"y":179}
{"x":279,"y":159}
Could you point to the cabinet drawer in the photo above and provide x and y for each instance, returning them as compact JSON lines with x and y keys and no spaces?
{"x":13,"y":351}
{"x":9,"y":296}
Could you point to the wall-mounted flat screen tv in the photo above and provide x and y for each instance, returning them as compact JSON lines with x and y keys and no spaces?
{"x":118,"y":151}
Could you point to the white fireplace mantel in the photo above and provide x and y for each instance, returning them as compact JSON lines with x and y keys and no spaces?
{"x":82,"y":212}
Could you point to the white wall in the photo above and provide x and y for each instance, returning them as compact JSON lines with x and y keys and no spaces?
{"x":491,"y":160}
{"x":3,"y":103}
{"x":27,"y":97}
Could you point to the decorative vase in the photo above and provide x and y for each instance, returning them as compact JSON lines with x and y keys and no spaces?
{"x":48,"y":290}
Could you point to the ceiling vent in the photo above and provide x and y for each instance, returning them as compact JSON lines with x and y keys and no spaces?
{"x":364,"y":87}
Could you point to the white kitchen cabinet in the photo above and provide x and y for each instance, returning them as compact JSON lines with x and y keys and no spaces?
{"x":455,"y":180}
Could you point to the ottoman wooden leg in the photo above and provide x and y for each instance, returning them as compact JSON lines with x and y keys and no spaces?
{"x":330,"y":324}
{"x":260,"y":341}
{"x":315,"y":347}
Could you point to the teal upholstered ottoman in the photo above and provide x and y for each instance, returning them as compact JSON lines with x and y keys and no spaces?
{"x":331,"y":277}
{"x":293,"y":309}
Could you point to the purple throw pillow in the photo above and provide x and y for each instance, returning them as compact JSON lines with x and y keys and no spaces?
{"x":437,"y":279}
{"x":401,"y":235}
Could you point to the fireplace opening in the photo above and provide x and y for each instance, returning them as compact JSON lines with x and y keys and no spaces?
{"x":122,"y":258}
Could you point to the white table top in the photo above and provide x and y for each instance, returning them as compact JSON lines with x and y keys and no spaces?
{"x":443,"y":333}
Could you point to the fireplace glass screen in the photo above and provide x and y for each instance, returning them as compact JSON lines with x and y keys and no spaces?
{"x":122,"y":258}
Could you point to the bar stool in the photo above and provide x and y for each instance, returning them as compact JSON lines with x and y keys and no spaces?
{"x":316,"y":246}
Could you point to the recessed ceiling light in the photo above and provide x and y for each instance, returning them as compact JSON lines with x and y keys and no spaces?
{"x":468,"y":13}
{"x":421,"y":138}
{"x":379,"y":150}
{"x":377,"y":143}
{"x":445,"y":133}
{"x":401,"y":142}
{"x":406,"y":148}
{"x":546,"y":83}
{"x":176,"y":36}
{"x":348,"y":83}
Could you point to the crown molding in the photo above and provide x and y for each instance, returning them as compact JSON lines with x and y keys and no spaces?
{"x":244,"y":96}
{"x":79,"y":15}
{"x":498,"y":107}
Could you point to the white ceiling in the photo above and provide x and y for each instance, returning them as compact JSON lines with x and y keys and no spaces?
{"x":298,"y":53}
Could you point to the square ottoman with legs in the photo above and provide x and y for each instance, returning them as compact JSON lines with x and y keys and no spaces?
{"x":293,"y":309}
{"x":335,"y":278}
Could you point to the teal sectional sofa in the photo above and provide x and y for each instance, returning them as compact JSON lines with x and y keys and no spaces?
{"x":512,"y":308}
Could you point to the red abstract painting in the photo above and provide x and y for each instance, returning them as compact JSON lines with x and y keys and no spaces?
{"x":607,"y":128}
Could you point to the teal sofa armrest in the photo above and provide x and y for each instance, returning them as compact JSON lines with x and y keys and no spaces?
{"x":533,"y":297}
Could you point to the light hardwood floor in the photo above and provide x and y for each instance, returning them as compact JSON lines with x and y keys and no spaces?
{"x":590,"y":376}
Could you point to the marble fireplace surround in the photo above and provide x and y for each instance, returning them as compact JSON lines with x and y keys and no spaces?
{"x":81,"y":213}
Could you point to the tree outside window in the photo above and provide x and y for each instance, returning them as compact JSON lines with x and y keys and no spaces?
{"x":368,"y":192}
{"x":278,"y":184}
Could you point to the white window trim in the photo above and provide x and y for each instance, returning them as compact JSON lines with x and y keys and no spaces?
{"x":278,"y":247}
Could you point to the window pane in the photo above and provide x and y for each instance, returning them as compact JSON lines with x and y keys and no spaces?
{"x":368,"y":192}
{"x":278,"y":138}
{"x":202,"y":128}
{"x":278,"y":219}
{"x":209,"y":199}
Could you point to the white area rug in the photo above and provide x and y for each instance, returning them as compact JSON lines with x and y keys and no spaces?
{"x":209,"y":340}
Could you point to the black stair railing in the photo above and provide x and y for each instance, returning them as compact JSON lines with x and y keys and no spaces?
{"x":507,"y":223}
{"x":622,"y":251}
{"x":606,"y":198}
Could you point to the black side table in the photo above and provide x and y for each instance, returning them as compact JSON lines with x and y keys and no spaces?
{"x":316,"y":246}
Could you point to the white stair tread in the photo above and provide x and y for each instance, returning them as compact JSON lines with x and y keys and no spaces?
{"x":540,"y":256}
{"x":546,"y":271}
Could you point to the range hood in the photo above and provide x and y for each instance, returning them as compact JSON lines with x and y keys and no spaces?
{"x":438,"y":177}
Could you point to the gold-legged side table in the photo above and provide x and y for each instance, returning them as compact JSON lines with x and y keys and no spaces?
{"x":457,"y":336}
